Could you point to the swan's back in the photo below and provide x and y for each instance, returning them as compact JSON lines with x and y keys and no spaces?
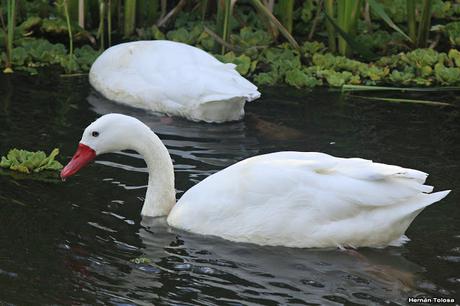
{"x":302,"y":199}
{"x":172,"y":78}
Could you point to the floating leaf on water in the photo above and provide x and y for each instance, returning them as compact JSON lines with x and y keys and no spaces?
{"x":28,"y":162}
{"x":447,"y":75}
{"x":299,"y":78}
{"x":242,"y":62}
{"x":346,"y":88}
{"x":141,"y":261}
{"x":453,"y":32}
{"x":379,"y":10}
{"x":397,"y":100}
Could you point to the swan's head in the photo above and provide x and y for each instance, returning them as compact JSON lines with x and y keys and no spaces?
{"x":109,"y":133}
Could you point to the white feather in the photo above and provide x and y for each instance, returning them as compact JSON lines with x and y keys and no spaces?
{"x":172,"y":78}
{"x":294,"y":199}
{"x":301,"y":199}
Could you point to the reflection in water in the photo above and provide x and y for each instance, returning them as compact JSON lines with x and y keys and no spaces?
{"x":282,"y":275}
{"x":71,"y":243}
{"x":201,"y":270}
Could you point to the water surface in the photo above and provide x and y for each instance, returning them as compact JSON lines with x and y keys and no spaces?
{"x":72,"y":242}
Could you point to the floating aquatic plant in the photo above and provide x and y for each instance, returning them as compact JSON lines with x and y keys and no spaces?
{"x":400,"y":100}
{"x":29,"y":162}
{"x":141,"y":261}
{"x":256,"y":51}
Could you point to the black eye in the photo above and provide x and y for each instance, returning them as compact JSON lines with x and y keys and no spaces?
{"x":95,"y":134}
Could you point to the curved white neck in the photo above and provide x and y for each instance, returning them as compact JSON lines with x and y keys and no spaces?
{"x":160,"y":197}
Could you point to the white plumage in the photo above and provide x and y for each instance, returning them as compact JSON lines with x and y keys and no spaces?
{"x":294,"y":199}
{"x":172,"y":78}
{"x":306,"y":199}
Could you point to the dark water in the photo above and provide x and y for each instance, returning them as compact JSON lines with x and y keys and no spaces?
{"x":71,"y":243}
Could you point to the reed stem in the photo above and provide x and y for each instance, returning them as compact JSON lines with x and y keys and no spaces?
{"x":264,"y":11}
{"x":152,"y":12}
{"x":69,"y":29}
{"x":341,"y":13}
{"x":81,"y":13}
{"x":130,"y":17}
{"x":286,"y":12}
{"x":11,"y":14}
{"x":329,"y":6}
{"x":101,"y":31}
{"x":347,"y":16}
{"x":109,"y":22}
{"x":411,"y":21}
{"x":424,"y":26}
{"x":204,"y":8}
{"x":224,"y":12}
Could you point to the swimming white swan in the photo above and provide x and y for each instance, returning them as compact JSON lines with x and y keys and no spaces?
{"x":294,"y":199}
{"x":172,"y":78}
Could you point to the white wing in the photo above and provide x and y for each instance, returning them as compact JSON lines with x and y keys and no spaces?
{"x":168,"y":77}
{"x":305,"y":200}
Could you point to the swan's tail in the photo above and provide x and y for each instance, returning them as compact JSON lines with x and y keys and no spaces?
{"x":430,"y":198}
{"x":403,"y":215}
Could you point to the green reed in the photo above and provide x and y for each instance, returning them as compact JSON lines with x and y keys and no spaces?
{"x":11,"y":10}
{"x":286,"y":14}
{"x":69,"y":29}
{"x":130,"y":17}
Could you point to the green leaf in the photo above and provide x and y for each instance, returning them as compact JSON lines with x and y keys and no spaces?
{"x":447,"y":75}
{"x":453,"y":32}
{"x":312,"y":47}
{"x":380,"y":11}
{"x":454,"y":55}
{"x":242,"y":62}
{"x":267,"y":78}
{"x":421,"y":57}
{"x":354,"y":44}
{"x":27,"y":162}
{"x":157,"y":34}
{"x":396,"y":100}
{"x":299,"y":79}
{"x":141,"y":261}
{"x":347,"y":88}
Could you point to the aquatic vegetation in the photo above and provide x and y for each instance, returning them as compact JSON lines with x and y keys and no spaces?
{"x":223,"y":18}
{"x":421,"y":67}
{"x":452,"y":30}
{"x":243,"y":63}
{"x":69,"y":29}
{"x":260,"y":37}
{"x":10,"y":7}
{"x":141,"y":261}
{"x":31,"y":54}
{"x":28,"y":162}
{"x":130,"y":17}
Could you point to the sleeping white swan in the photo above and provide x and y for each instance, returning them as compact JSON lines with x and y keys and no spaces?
{"x":294,"y":199}
{"x":172,"y":78}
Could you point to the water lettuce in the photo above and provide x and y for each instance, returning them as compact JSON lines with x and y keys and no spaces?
{"x":243,"y":63}
{"x":256,"y":56}
{"x":453,"y":32}
{"x":31,"y":54}
{"x":446,"y":75}
{"x":250,"y":37}
{"x":28,"y":162}
{"x":454,"y":56}
{"x":302,"y":78}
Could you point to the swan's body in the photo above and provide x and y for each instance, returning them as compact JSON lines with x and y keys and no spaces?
{"x":294,"y":199}
{"x":172,"y":78}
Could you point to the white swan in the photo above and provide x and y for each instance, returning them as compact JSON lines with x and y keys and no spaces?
{"x":294,"y":199}
{"x":172,"y":78}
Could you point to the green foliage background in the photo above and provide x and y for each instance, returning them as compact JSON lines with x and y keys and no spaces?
{"x":253,"y":44}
